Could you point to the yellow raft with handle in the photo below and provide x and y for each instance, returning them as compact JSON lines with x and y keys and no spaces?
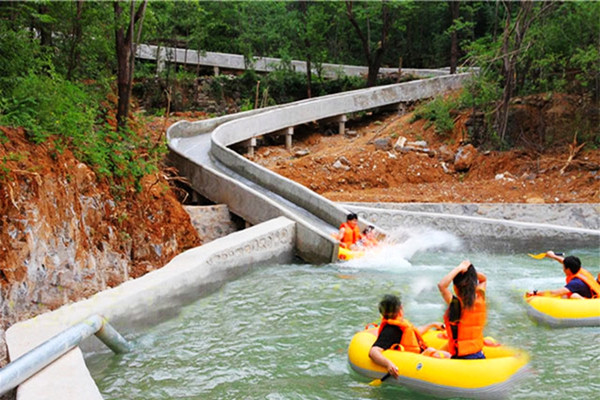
{"x":491,"y":378}
{"x":347,"y":254}
{"x":558,"y":312}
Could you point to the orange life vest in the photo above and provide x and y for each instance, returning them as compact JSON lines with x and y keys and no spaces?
{"x":351,"y":235}
{"x":369,"y":242}
{"x":587,"y":278}
{"x":411,"y":338}
{"x":470,"y":326}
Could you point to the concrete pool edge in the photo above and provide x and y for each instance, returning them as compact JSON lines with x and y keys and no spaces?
{"x":155,"y":296}
{"x":480,"y":232}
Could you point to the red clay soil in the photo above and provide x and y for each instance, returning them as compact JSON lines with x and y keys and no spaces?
{"x":374,"y":175}
{"x":38,"y":180}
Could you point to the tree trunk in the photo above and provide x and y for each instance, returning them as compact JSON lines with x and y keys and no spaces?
{"x":124,"y":48}
{"x":304,"y":8}
{"x":512,"y":44}
{"x":373,"y":59}
{"x":45,"y":28}
{"x":454,"y":12}
{"x":77,"y":31}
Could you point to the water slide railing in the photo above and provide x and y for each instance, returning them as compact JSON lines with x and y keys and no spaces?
{"x":39,"y":357}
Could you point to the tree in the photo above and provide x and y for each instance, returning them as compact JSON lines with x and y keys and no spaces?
{"x":373,"y":56}
{"x":454,"y":13}
{"x":512,"y":46}
{"x":125,"y":49}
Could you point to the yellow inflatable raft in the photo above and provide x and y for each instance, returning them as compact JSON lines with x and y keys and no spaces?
{"x":563,"y":313}
{"x":491,"y":378}
{"x":347,"y":254}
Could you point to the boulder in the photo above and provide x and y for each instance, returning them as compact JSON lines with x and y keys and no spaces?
{"x":383,"y":144}
{"x":464,"y":158}
{"x":445,"y":154}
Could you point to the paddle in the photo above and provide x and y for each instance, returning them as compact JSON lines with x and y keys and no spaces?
{"x":377,"y":382}
{"x":542,"y":255}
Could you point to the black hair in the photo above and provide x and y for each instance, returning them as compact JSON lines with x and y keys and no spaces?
{"x":368,"y":229}
{"x":572,"y":263}
{"x":466,"y":284}
{"x":389,"y":306}
{"x":351,"y":216}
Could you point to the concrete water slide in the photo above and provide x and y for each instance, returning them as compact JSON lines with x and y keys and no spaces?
{"x":228,"y":61}
{"x":201,"y":151}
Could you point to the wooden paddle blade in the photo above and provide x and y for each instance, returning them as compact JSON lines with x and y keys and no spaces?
{"x":537,"y":256}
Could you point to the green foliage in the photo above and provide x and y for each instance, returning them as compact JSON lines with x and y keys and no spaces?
{"x":437,"y":112}
{"x":48,"y":105}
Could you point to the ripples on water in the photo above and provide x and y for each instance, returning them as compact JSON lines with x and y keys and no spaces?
{"x":281,"y":332}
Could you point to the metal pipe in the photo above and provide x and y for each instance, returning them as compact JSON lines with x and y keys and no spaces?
{"x":112,"y":339}
{"x":19,"y":370}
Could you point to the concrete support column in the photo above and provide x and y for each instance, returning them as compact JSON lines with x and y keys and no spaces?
{"x":288,"y":138}
{"x":161,"y":56}
{"x":216,"y":69}
{"x":251,"y":146}
{"x":342,"y":123}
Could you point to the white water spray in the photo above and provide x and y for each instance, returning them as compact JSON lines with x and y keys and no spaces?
{"x":401,"y":245}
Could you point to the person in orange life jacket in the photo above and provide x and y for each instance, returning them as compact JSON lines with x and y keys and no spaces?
{"x":394,"y":329}
{"x":368,"y":239}
{"x":580,"y":283}
{"x":466,"y":314}
{"x":349,"y":232}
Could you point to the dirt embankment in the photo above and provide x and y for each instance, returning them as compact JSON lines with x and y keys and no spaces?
{"x":373,"y":163}
{"x":64,"y":236}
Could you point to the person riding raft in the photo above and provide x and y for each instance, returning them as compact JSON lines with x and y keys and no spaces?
{"x":580,"y":282}
{"x":465,"y":317}
{"x":396,"y":332}
{"x":349,"y":233}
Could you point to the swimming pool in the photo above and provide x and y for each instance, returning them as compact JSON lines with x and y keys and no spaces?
{"x":282,"y":331}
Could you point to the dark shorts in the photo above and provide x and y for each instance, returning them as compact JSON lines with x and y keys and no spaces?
{"x":475,"y":356}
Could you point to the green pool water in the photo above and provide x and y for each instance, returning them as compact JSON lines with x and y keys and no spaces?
{"x":282,"y":332}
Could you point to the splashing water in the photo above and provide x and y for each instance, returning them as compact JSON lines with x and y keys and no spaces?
{"x":401,"y":245}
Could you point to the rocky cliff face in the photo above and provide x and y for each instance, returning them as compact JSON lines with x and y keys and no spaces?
{"x":64,"y":236}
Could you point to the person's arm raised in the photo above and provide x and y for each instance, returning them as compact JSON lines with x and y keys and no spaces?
{"x":482,"y":280}
{"x":554,"y":256}
{"x":446,"y":280}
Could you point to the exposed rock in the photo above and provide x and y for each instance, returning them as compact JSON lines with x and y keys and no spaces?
{"x":445,"y":154}
{"x":383,"y":144}
{"x":417,"y":143}
{"x":339,"y":165}
{"x":464,"y":158}
{"x":301,"y":152}
{"x":400,"y":143}
{"x":344,"y":161}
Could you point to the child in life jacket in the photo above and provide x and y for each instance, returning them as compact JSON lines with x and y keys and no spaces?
{"x":395,"y":330}
{"x":466,"y":314}
{"x":580,"y":282}
{"x":368,"y":239}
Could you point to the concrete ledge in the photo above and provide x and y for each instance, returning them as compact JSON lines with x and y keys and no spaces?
{"x":136,"y":303}
{"x":480,"y":233}
{"x":575,"y":215}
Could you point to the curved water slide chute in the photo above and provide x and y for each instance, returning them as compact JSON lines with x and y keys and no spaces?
{"x":201,"y":152}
